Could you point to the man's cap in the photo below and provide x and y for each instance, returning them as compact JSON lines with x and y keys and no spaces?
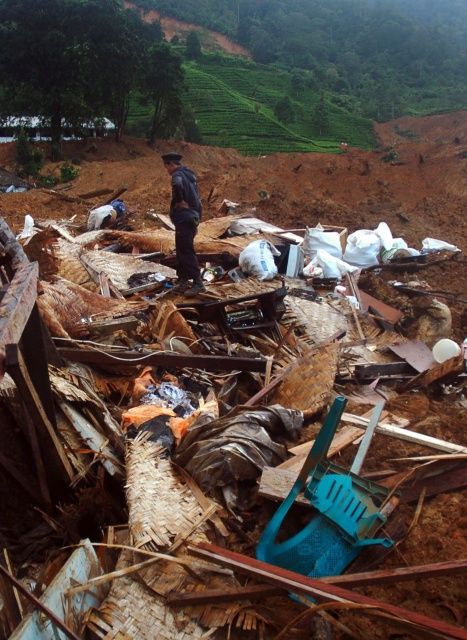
{"x":171,"y":157}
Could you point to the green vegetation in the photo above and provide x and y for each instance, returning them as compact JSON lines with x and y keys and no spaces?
{"x":394,"y":57}
{"x":68,"y":172}
{"x":78,"y":60}
{"x":233,"y":102}
{"x":29,"y":160}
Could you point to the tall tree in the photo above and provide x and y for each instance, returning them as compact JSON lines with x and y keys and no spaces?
{"x":284,"y":110}
{"x":193,"y":46}
{"x":162,"y":86}
{"x":321,"y":117}
{"x":59,"y":59}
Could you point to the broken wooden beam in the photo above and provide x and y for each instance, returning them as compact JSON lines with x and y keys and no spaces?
{"x":164,"y":359}
{"x":450,"y":480}
{"x":315,"y":588}
{"x":402,"y":574}
{"x":16,"y":306}
{"x":386,"y":370}
{"x":213,"y":596}
{"x":54,"y":456}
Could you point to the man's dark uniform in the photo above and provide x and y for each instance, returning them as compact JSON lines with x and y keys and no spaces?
{"x":186,"y":220}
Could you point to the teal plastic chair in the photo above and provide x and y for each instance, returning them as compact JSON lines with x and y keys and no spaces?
{"x":348,"y":514}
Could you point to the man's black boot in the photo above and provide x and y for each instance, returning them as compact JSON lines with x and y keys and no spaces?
{"x":181,"y":286}
{"x":198,"y":287}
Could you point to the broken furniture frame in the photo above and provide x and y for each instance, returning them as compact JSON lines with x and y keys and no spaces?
{"x":25,"y":349}
{"x":266,"y":310}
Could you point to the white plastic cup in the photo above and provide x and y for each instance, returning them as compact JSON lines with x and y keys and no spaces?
{"x":445,"y":349}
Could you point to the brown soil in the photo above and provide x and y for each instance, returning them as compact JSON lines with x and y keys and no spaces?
{"x":211,"y":40}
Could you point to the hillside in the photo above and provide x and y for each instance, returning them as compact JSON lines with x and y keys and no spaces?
{"x":396,"y":57}
{"x":233,"y":103}
{"x":172,"y":27}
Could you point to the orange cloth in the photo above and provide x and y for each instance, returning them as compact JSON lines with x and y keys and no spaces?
{"x":137,"y":415}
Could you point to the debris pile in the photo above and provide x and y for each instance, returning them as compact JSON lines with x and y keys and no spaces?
{"x":237,"y":464}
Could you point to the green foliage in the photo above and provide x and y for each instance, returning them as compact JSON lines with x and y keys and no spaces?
{"x":193,"y":46}
{"x":161,"y":88}
{"x":383,"y":52}
{"x":321,"y":117}
{"x":284,"y":110}
{"x":233,"y":103}
{"x":71,"y":60}
{"x":29,"y":160}
{"x":68,"y":172}
{"x":48,"y":181}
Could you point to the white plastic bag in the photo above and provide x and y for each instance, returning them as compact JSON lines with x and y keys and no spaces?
{"x":317,"y":238}
{"x":385,"y":235}
{"x":97,"y":216}
{"x":430,"y":244}
{"x":28,"y":229}
{"x":257,"y":259}
{"x":332,"y":267}
{"x":363,"y":246}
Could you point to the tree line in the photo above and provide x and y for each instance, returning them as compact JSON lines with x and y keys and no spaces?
{"x":75,"y":61}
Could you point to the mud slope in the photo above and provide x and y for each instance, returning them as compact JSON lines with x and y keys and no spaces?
{"x":211,"y":40}
{"x":424,"y":195}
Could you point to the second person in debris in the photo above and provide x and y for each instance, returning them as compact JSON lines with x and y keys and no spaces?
{"x":185,"y":213}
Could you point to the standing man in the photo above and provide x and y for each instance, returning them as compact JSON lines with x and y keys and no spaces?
{"x":185,"y":213}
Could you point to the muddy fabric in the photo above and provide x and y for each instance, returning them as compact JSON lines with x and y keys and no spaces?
{"x":236,"y":447}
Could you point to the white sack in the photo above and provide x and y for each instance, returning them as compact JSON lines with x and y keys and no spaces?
{"x":257,"y":259}
{"x":317,"y":238}
{"x":97,"y":216}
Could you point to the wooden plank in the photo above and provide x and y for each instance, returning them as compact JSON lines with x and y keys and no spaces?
{"x":12,"y":248}
{"x":276,"y":483}
{"x":213,"y":596}
{"x":55,"y":457}
{"x":451,"y":367}
{"x":297,"y":583}
{"x":16,"y":307}
{"x":388,"y":369}
{"x":95,"y":440}
{"x":158,"y":359}
{"x":343,"y":438}
{"x":403,"y":574}
{"x":420,"y":438}
{"x":452,"y":480}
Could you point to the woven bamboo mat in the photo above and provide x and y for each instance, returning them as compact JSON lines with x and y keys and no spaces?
{"x":309,"y":383}
{"x":160,"y":505}
{"x":314,"y":321}
{"x":119,"y":267}
{"x":64,"y":305}
{"x":167,"y":321}
{"x":130,"y":612}
{"x":70,"y":266}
